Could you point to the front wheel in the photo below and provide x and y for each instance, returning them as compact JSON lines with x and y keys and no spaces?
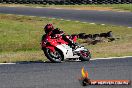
{"x":55,"y":56}
{"x":85,"y":55}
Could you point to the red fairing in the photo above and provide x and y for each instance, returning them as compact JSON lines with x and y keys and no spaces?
{"x":56,"y":41}
{"x":51,"y":43}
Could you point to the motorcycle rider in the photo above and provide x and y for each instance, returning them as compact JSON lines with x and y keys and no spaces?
{"x":51,"y":31}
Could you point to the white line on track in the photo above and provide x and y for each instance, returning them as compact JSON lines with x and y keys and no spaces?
{"x":43,"y":17}
{"x":9,"y":14}
{"x":20,"y":15}
{"x":103,"y":24}
{"x":129,"y":27}
{"x":77,"y":9}
{"x":122,"y":11}
{"x":58,"y":8}
{"x":38,"y":7}
{"x":112,"y":58}
{"x":77,"y":21}
{"x":91,"y":59}
{"x":68,"y":20}
{"x":6,"y":63}
{"x":84,"y":22}
{"x":52,"y":18}
{"x":102,"y":10}
{"x":61,"y":19}
{"x":32,"y":16}
{"x":91,"y":23}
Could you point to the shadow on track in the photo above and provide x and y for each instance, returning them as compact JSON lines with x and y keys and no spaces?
{"x":40,"y":61}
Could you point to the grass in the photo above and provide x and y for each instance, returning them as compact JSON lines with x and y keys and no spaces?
{"x":20,"y":37}
{"x":113,"y":7}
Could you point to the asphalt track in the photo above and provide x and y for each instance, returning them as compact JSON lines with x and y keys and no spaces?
{"x":64,"y":75}
{"x":105,"y":17}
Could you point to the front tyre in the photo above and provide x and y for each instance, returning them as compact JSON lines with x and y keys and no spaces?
{"x":85,"y":55}
{"x":55,"y":57}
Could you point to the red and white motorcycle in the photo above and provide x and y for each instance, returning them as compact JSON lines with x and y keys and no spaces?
{"x":58,"y":50}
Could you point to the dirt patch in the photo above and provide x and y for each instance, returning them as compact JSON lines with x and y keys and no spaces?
{"x":117,"y":48}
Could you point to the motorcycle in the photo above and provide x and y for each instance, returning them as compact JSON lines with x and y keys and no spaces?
{"x":57,"y":49}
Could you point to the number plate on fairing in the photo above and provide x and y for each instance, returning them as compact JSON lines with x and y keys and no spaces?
{"x":67,"y":51}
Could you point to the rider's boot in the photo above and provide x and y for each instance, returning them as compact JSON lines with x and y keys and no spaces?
{"x":76,"y":46}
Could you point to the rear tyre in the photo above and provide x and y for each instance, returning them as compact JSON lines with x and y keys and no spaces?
{"x":85,"y":55}
{"x":55,"y":57}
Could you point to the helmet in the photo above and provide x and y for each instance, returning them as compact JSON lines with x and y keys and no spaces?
{"x":48,"y":28}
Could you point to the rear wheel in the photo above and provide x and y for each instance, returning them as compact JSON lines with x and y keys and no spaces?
{"x":55,"y":56}
{"x":85,"y":55}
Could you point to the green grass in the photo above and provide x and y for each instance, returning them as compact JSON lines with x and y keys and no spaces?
{"x":20,"y":37}
{"x":127,"y":7}
{"x":115,"y":7}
